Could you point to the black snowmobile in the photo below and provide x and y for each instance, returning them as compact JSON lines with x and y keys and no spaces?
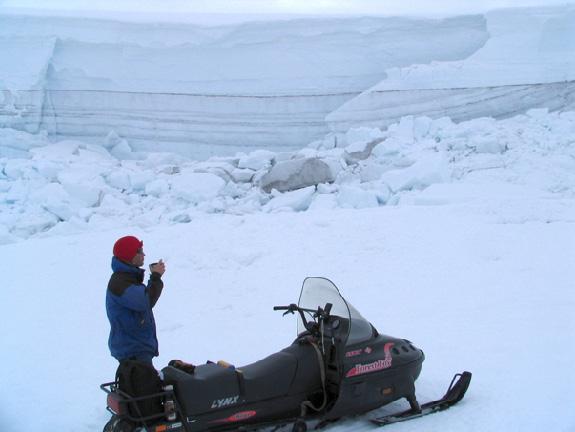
{"x":338,"y":366}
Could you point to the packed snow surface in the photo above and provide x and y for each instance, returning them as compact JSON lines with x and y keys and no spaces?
{"x":457,"y":235}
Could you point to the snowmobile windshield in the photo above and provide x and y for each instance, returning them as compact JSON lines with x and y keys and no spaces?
{"x":317,"y":292}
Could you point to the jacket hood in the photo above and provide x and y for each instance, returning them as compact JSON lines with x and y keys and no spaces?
{"x":121,"y":266}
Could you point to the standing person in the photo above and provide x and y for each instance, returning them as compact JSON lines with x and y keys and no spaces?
{"x":129,"y":302}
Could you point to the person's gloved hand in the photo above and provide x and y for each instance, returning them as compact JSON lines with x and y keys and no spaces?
{"x":159,"y":267}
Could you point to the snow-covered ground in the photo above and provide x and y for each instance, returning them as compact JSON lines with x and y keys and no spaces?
{"x":485,"y":287}
{"x":457,"y":235}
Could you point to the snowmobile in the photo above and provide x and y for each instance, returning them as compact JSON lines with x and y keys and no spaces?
{"x":338,"y":366}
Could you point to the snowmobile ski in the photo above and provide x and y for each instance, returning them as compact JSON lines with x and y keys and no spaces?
{"x":454,"y":394}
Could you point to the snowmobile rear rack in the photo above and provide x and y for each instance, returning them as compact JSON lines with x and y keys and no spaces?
{"x":118,"y":402}
{"x":454,"y":394}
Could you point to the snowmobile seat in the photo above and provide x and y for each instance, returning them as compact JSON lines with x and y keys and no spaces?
{"x":197,"y":392}
{"x":269,"y":377}
{"x":293,"y":371}
{"x":210,"y":383}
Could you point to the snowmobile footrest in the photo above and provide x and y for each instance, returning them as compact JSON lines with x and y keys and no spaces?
{"x":455,"y":392}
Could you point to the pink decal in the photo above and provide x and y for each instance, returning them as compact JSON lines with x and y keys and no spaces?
{"x":387,"y":351}
{"x":385,"y":363}
{"x":240,"y":416}
{"x":353,"y":353}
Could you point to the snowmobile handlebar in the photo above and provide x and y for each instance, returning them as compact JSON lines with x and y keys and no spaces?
{"x":291,"y":308}
{"x":318,"y":313}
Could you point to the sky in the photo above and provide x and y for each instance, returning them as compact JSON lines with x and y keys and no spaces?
{"x":184,"y":7}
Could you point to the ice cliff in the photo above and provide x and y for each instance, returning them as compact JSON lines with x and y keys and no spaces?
{"x":204,"y":91}
{"x":527,"y":62}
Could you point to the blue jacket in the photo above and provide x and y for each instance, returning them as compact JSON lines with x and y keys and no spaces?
{"x":129,"y":306}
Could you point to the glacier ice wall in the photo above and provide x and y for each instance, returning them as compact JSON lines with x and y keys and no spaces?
{"x":528,"y":62}
{"x":207,"y":90}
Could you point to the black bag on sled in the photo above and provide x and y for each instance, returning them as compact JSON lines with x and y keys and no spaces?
{"x":137,"y":379}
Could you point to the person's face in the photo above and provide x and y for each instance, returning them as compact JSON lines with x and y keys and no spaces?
{"x":138,"y":260}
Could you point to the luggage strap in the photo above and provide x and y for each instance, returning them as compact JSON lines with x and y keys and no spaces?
{"x":308,"y":404}
{"x":241,"y":382}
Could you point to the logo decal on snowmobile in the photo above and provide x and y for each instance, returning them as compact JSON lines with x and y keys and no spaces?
{"x":353,"y":353}
{"x":385,"y":363}
{"x":240,"y":416}
{"x":220,"y":403}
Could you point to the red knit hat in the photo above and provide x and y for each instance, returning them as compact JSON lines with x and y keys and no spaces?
{"x":127,"y":247}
